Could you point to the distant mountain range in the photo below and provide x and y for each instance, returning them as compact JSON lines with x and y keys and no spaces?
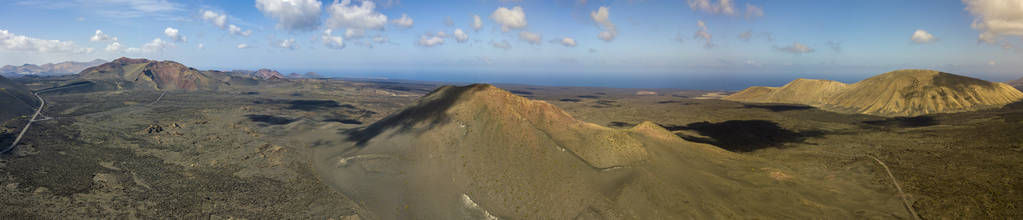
{"x":304,"y":75}
{"x":1018,"y":83}
{"x":62,"y":68}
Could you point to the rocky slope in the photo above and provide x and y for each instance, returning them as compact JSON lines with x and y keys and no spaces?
{"x":62,"y":68}
{"x":15,"y":100}
{"x":150,"y":74}
{"x":127,"y":73}
{"x":481,"y":152}
{"x":896,"y":93}
{"x":269,"y":74}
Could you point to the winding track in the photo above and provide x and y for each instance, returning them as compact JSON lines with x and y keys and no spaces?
{"x":39,"y":110}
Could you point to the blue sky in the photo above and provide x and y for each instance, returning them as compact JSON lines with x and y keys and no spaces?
{"x":655,"y":43}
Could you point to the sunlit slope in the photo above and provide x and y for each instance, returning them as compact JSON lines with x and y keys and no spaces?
{"x":797,"y":91}
{"x":896,"y":93}
{"x":476,"y":151}
{"x":15,"y":100}
{"x":127,"y":73}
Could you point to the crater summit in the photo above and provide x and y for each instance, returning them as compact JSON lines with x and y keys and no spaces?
{"x":896,"y":93}
{"x":482,"y":152}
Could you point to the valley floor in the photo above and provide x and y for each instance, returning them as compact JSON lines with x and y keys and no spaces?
{"x":231,"y":154}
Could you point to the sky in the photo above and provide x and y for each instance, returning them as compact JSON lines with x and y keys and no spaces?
{"x":698,"y":44}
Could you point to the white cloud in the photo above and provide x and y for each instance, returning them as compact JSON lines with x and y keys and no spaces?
{"x":921,"y":36}
{"x":115,"y":46}
{"x":477,"y":23}
{"x":565,"y":41}
{"x":347,"y":15}
{"x":746,"y":36}
{"x":354,"y":33}
{"x":503,"y":44}
{"x":381,"y":39}
{"x":288,"y":44}
{"x":513,"y":18}
{"x":428,"y":41}
{"x":220,"y":20}
{"x":996,"y":18}
{"x":602,"y":17}
{"x":709,"y":6}
{"x":795,"y":48}
{"x":530,"y":37}
{"x":703,"y":34}
{"x":11,"y":41}
{"x":235,"y":30}
{"x":753,"y":11}
{"x":292,"y":15}
{"x":439,"y":34}
{"x":101,"y":37}
{"x":404,"y":21}
{"x":331,"y":41}
{"x":243,"y":46}
{"x":160,"y":9}
{"x":157,"y":45}
{"x":174,"y":34}
{"x":201,"y":46}
{"x":460,"y":36}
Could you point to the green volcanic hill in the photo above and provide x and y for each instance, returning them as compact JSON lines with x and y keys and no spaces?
{"x":479,"y":152}
{"x":127,"y":73}
{"x":896,"y":93}
{"x":15,"y":100}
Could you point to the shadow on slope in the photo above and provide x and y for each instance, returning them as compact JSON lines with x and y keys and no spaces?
{"x":778,"y":107}
{"x":270,"y":119}
{"x":743,"y":135}
{"x":905,"y":122}
{"x":310,"y":105}
{"x":430,"y":110}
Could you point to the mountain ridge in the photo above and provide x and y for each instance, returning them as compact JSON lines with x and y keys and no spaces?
{"x":511,"y":156}
{"x":897,"y":93}
{"x":61,"y":68}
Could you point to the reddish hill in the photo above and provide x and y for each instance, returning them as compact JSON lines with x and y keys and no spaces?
{"x":127,"y":73}
{"x":269,"y":74}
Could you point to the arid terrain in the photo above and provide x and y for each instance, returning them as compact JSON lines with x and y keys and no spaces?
{"x":511,"y":109}
{"x":337,"y":148}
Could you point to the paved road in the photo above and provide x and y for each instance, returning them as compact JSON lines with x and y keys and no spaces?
{"x":39,"y":110}
{"x":157,"y":98}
